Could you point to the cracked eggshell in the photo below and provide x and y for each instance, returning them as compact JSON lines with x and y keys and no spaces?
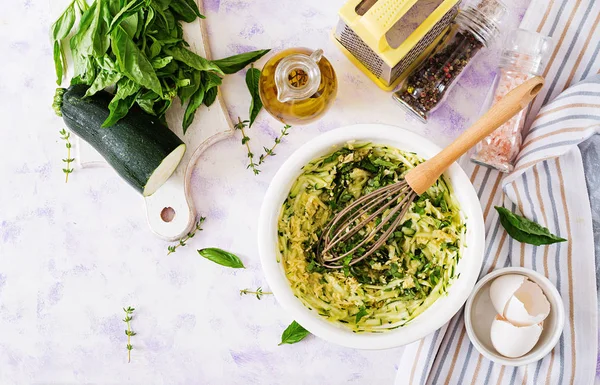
{"x":503,"y":288}
{"x":528,"y":305}
{"x":513,"y":341}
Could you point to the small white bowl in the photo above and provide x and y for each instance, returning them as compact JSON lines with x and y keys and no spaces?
{"x":441,"y":310}
{"x":480,"y":313}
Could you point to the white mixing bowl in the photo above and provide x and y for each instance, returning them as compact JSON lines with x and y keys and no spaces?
{"x":437,"y":314}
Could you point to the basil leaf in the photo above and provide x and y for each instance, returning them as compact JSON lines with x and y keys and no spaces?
{"x":155,"y":49}
{"x":190,"y":111}
{"x":132,"y":62}
{"x":103,"y":80}
{"x":161,"y":21}
{"x":211,"y":88}
{"x":106,"y":77}
{"x":146,"y":101}
{"x":119,"y":107}
{"x":78,"y":41}
{"x":144,"y":26}
{"x":81,"y":47}
{"x":86,"y":70}
{"x":233,"y":64}
{"x":161,"y":62}
{"x":130,"y":9}
{"x":82,"y":4}
{"x":162,"y":4}
{"x":63,"y":25}
{"x":96,"y":40}
{"x":195,"y":77}
{"x":60,"y":29}
{"x":130,"y":25}
{"x":182,"y":83}
{"x":213,"y":80}
{"x":170,"y":23}
{"x":191,"y":59}
{"x":115,"y":5}
{"x":187,"y":10}
{"x":362,"y":311}
{"x":293,"y":333}
{"x":161,"y":108}
{"x":58,"y":62}
{"x":127,"y":91}
{"x":170,"y":69}
{"x":524,"y":230}
{"x":210,"y":96}
{"x":221,"y":257}
{"x":140,"y":24}
{"x":252,"y":78}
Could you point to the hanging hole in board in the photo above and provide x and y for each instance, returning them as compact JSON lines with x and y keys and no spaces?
{"x":167,"y":214}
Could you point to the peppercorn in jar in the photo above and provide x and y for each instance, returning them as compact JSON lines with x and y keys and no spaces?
{"x":473,"y":28}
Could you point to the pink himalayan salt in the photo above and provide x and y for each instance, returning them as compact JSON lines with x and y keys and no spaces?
{"x":501,"y":147}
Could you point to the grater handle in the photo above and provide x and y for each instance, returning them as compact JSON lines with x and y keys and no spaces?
{"x":381,"y":18}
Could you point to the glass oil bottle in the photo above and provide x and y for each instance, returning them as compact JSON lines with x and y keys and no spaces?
{"x":297,"y":85}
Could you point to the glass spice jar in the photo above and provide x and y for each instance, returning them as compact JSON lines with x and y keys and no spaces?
{"x":472,"y":29}
{"x":524,"y":56}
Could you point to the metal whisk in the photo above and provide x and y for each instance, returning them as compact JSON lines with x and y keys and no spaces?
{"x":393,"y":201}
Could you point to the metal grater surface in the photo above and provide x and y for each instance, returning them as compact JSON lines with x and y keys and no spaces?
{"x":423,"y":43}
{"x":360,"y":50}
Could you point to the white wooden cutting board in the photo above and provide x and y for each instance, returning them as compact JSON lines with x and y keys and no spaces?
{"x":170,"y":211}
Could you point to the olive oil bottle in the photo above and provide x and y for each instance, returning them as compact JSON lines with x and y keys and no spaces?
{"x":297,"y":85}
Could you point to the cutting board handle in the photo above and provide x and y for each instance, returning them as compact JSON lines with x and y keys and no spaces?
{"x":171,"y":211}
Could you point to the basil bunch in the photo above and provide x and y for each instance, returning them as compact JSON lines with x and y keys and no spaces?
{"x":137,"y":46}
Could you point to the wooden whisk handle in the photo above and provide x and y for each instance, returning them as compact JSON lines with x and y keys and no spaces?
{"x":424,"y":175}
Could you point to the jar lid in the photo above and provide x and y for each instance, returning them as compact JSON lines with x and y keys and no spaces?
{"x":526,"y":51}
{"x":483,"y":19}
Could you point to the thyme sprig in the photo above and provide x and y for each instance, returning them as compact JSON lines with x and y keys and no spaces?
{"x":258,"y":292}
{"x":66,"y":136}
{"x":241,"y":125}
{"x":183,"y":241}
{"x":128,"y":332}
{"x":270,"y":151}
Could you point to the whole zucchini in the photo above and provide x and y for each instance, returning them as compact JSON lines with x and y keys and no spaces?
{"x":139,"y":147}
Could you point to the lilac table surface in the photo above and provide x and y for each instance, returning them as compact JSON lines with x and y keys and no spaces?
{"x":72,"y":255}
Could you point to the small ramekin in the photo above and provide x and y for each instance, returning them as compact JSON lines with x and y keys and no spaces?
{"x":479,"y":314}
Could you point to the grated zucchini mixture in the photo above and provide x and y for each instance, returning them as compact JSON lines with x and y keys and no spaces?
{"x":401,"y":279}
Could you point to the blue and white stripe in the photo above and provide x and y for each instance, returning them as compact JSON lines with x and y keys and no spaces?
{"x":547,"y":186}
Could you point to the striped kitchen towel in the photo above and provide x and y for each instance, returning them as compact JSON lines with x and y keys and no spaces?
{"x":547,"y":186}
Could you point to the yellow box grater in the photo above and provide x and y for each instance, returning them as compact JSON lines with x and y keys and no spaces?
{"x":386,"y":39}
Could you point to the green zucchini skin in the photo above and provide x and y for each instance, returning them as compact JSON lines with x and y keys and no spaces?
{"x":135,"y":146}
